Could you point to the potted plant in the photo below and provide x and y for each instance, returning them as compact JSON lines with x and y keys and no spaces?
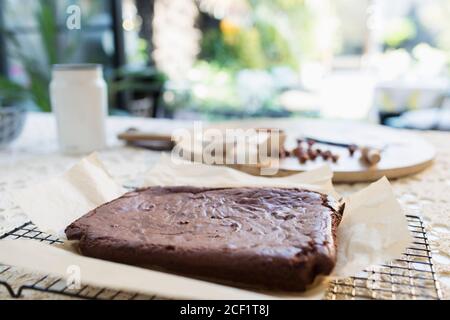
{"x":143,"y":87}
{"x":13,"y":96}
{"x":12,"y":112}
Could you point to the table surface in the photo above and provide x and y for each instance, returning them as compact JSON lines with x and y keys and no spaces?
{"x":34,"y":157}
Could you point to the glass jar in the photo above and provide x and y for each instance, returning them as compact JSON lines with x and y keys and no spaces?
{"x":80,"y":104}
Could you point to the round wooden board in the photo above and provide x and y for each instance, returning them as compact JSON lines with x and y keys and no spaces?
{"x":404,"y":153}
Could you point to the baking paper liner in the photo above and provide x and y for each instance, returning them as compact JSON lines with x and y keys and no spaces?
{"x":373,"y":231}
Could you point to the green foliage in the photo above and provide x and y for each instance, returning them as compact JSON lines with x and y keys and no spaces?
{"x":48,"y":29}
{"x":212,"y":88}
{"x":286,"y":5}
{"x":139,"y":82}
{"x":280,"y":35}
{"x":259,"y":47}
{"x":399,"y":31}
{"x":38,"y":72}
{"x":276,"y":48}
{"x":215,"y":48}
{"x":10,"y":92}
{"x":250,"y":50}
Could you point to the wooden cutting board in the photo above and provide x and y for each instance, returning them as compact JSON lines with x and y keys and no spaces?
{"x":404,"y":153}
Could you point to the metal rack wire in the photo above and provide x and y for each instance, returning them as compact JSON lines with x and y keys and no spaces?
{"x":410,"y":277}
{"x":48,"y":284}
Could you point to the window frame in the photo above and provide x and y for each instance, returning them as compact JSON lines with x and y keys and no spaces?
{"x":119,"y":57}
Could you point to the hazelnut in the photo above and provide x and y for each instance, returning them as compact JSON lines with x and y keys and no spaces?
{"x":298,"y":152}
{"x":303,"y":158}
{"x":352,"y":149}
{"x":335,"y":158}
{"x":312,"y":154}
{"x":327,"y":155}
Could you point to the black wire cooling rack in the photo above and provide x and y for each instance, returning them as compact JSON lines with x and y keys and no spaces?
{"x":410,"y":277}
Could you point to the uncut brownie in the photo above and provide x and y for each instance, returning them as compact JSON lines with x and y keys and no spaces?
{"x":271,"y":238}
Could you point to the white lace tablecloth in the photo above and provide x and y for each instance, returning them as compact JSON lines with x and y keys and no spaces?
{"x":35,"y":158}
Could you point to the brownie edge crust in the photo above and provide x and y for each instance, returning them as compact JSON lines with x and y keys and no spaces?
{"x":268,"y":238}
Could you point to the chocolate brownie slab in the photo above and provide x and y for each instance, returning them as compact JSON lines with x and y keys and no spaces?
{"x":271,"y":238}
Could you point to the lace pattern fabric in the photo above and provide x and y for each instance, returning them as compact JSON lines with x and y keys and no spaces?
{"x":35,"y":158}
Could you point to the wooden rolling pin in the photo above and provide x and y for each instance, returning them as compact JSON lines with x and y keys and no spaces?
{"x":158,"y":142}
{"x":135,"y":135}
{"x":371,"y":155}
{"x":154,"y":141}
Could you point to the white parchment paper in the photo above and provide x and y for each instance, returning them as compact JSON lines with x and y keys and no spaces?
{"x":55,"y":204}
{"x":373,"y":231}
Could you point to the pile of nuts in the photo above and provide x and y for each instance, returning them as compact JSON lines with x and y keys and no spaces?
{"x":306,"y":151}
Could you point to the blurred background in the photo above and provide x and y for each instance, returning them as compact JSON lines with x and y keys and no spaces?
{"x":381,"y":61}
